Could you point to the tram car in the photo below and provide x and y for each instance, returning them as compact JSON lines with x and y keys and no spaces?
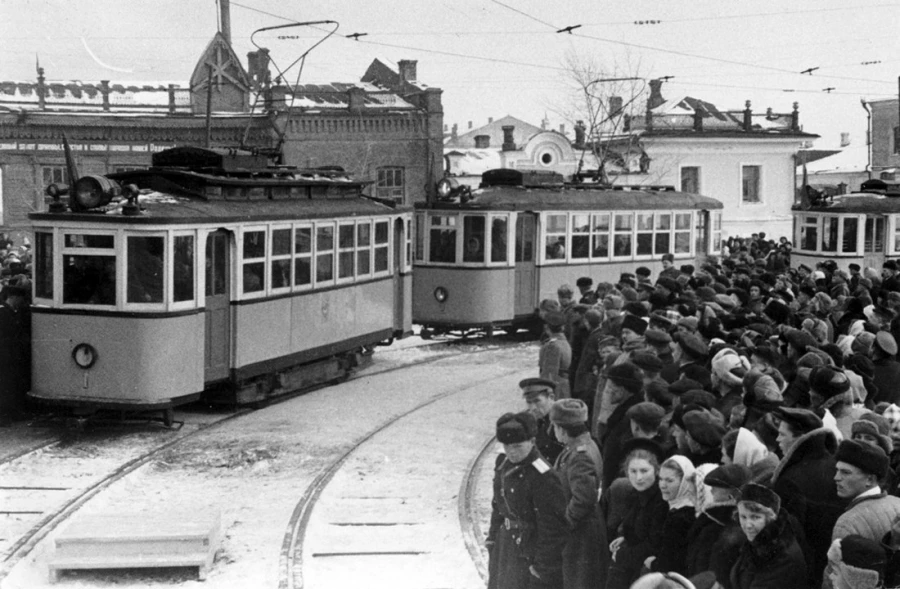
{"x":211,"y":272}
{"x":485,"y":258}
{"x":861,"y":227}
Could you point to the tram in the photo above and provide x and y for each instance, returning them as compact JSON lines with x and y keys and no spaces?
{"x":484,"y":259}
{"x":216,"y":273}
{"x":860,"y":227}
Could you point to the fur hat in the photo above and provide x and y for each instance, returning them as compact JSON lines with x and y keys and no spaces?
{"x":802,"y":421}
{"x":865,"y":457}
{"x":513,"y":428}
{"x":828,"y":382}
{"x":876,"y":426}
{"x":555,"y":318}
{"x":730,"y":367}
{"x":728,"y":476}
{"x":862,"y":343}
{"x":569,"y":412}
{"x":626,"y":375}
{"x":765,"y":496}
{"x":635,"y":324}
{"x":648,"y":415}
{"x":703,"y":427}
{"x":777,"y":311}
{"x":859,"y":561}
{"x":761,"y":390}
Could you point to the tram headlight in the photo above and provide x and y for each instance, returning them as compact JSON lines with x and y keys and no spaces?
{"x":92,"y":192}
{"x":446,"y":187}
{"x":84,"y":355}
{"x":441,"y":294}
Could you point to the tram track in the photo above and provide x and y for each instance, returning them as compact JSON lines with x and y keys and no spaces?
{"x":61,"y":500}
{"x":291,"y":561}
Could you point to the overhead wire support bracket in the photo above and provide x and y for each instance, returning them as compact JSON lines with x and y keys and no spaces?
{"x":568,"y":29}
{"x":809,"y":70}
{"x":356,"y":36}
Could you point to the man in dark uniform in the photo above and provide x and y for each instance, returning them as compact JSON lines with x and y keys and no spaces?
{"x":539,"y":395}
{"x":15,"y":352}
{"x":528,"y":518}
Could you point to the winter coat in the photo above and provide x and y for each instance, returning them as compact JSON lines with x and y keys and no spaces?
{"x":528,"y":524}
{"x":618,"y":431}
{"x":554,"y":361}
{"x":15,"y":359}
{"x":804,"y":479}
{"x":773,"y":560}
{"x":642,"y":530}
{"x":672,"y":553}
{"x":870,"y":517}
{"x":714,"y":543}
{"x":585,"y":384}
{"x":886,"y":377}
{"x":546,"y":442}
{"x":580,"y":467}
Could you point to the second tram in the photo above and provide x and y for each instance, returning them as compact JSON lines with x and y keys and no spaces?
{"x":484,"y":259}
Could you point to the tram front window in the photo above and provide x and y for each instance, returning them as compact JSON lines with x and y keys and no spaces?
{"x":89,"y":280}
{"x":499,"y":231}
{"x":473,"y":232}
{"x":442,"y":246}
{"x":43,"y":265}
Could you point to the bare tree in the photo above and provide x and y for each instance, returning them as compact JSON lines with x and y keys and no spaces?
{"x":601,"y":100}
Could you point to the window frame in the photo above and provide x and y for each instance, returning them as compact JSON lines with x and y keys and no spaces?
{"x":388,"y":246}
{"x":166,"y":263}
{"x":339,"y":250}
{"x":545,"y":233}
{"x":332,"y":223}
{"x":395,"y":192}
{"x":489,"y":254}
{"x":113,"y":252}
{"x":760,"y":185}
{"x":242,"y":262}
{"x":170,"y":270}
{"x":681,"y":170}
{"x":272,"y":257}
{"x":310,"y":255}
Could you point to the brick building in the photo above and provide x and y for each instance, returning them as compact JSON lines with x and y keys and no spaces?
{"x":385,"y":128}
{"x":885,"y":138}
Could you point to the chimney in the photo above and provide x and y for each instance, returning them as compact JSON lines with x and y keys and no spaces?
{"x":225,"y":12}
{"x":407,"y":70}
{"x":470,"y":125}
{"x":509,"y":144}
{"x":795,"y":117}
{"x":698,"y":121}
{"x":41,"y":89}
{"x":656,"y":97}
{"x":845,"y":139}
{"x":579,"y":134}
{"x":356,"y":99}
{"x":258,"y":67}
{"x":171,"y":98}
{"x":748,"y":116}
{"x":562,"y":130}
{"x":490,"y":120}
{"x":545,"y":122}
{"x":482,"y":141}
{"x":446,"y":127}
{"x":454,"y":132}
{"x":615,"y":105}
{"x":104,"y":90}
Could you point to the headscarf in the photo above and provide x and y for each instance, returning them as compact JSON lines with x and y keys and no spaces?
{"x":687,"y":492}
{"x":729,"y":367}
{"x":748,"y":450}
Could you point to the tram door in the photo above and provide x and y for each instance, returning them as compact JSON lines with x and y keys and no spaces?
{"x":873,"y":244}
{"x":525,"y":270}
{"x":702,"y":244}
{"x":218,"y":306}
{"x":399,"y":257}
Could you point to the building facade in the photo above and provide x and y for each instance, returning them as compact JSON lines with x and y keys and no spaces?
{"x":885,"y":137}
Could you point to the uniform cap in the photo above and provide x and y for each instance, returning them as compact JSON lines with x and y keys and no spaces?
{"x":648,"y":415}
{"x":802,"y":421}
{"x":728,"y":476}
{"x":536,"y":386}
{"x":513,"y":428}
{"x":569,"y":412}
{"x":865,"y":457}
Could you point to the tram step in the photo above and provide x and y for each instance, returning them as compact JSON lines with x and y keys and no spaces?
{"x":127,"y":541}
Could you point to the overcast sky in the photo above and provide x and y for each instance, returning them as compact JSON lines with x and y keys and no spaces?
{"x":496,"y":57}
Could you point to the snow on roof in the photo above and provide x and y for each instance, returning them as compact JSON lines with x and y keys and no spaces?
{"x":851,"y":159}
{"x":77,"y":95}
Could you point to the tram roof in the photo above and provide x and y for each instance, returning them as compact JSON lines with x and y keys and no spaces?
{"x":856,"y":202}
{"x":161,"y":208}
{"x":518,"y":198}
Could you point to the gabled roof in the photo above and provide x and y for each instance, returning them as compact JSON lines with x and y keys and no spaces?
{"x":387,"y":76}
{"x":521,"y":134}
{"x":226,"y":66}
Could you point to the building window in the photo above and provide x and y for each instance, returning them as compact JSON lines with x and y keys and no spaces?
{"x":690,"y":179}
{"x":390,"y":183}
{"x":750,"y":186}
{"x":54,"y":175}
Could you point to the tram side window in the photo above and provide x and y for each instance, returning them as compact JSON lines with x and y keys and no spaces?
{"x":145,"y":269}
{"x":809,"y":233}
{"x":364,"y":242}
{"x":644,"y":234}
{"x":524,"y":238}
{"x":254,"y":261}
{"x":346,"y":250}
{"x":442,"y":246}
{"x":581,"y":237}
{"x":43,"y":265}
{"x":420,"y":237}
{"x":600,"y":235}
{"x":183,"y":258}
{"x":473,"y":236}
{"x":499,"y":239}
{"x":89,"y":279}
{"x":874,"y":239}
{"x":555,"y":236}
{"x":851,"y":231}
{"x":324,"y":253}
{"x":622,"y":235}
{"x":281,"y":258}
{"x":662,"y":244}
{"x":682,"y":233}
{"x":382,"y":242}
{"x":716,"y":245}
{"x":303,"y":256}
{"x":829,"y":234}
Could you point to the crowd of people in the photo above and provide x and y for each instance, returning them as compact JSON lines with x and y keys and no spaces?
{"x":15,"y":327}
{"x":733,"y":425}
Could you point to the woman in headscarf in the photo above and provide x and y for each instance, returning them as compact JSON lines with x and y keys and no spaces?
{"x":728,"y":371}
{"x":676,"y":485}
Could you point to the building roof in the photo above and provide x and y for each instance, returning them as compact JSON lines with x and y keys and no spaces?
{"x":74,"y":96}
{"x":336,"y":95}
{"x":521,"y":134}
{"x":851,"y":159}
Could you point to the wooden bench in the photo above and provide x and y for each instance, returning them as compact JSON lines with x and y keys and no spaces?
{"x":118,"y":541}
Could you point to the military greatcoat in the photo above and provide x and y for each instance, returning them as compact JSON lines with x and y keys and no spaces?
{"x":554,"y":362}
{"x":528,"y":525}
